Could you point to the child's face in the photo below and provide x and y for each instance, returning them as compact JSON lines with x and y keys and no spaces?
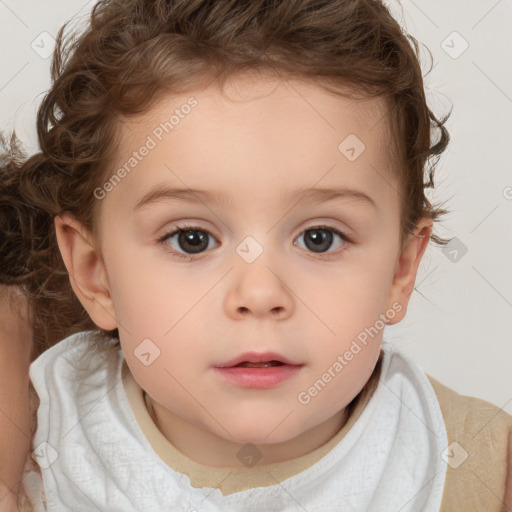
{"x":312,"y":307}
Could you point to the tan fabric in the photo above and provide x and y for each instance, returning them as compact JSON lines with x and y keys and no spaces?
{"x":482,"y":482}
{"x":231,"y":480}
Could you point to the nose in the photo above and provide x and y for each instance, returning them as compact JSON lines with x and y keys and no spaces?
{"x":259,"y":290}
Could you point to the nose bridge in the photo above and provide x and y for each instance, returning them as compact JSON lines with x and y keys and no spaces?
{"x":258,"y":286}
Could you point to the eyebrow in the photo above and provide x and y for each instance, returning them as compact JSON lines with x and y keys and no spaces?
{"x":315,"y":195}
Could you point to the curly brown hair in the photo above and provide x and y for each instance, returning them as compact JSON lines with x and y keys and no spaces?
{"x":133,"y":52}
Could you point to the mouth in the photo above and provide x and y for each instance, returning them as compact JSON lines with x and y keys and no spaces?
{"x":269,"y":364}
{"x":258,"y":360}
{"x":258,"y":371}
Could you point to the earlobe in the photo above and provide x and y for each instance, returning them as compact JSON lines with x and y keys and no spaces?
{"x":407,"y":266}
{"x":86,"y":270}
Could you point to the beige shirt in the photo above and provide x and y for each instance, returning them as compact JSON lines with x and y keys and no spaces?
{"x":483,"y":480}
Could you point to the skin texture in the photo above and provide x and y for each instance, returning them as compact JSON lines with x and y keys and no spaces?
{"x":15,"y":347}
{"x":262,"y":139}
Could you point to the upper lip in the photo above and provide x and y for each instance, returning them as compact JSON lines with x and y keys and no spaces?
{"x":255,"y":357}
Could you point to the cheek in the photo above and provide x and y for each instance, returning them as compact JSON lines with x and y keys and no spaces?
{"x":349,"y":297}
{"x":347,"y":314}
{"x":156,"y":315}
{"x":140,"y":290}
{"x":161,"y":379}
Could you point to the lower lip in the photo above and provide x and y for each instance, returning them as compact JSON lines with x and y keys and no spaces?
{"x":260,"y":378}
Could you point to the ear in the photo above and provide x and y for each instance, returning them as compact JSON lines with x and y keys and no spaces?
{"x":407,"y":267}
{"x":87,"y":272}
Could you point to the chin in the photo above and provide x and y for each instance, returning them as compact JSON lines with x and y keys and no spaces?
{"x":262,"y":433}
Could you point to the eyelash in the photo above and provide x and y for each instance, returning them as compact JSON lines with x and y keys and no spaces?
{"x":191,"y":227}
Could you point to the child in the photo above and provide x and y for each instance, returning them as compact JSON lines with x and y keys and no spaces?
{"x":237,"y":192}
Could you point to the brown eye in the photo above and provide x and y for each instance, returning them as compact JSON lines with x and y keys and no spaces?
{"x":189,"y":240}
{"x":320,"y":238}
{"x":193,"y":241}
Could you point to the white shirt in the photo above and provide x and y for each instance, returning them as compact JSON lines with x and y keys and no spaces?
{"x":93,"y":454}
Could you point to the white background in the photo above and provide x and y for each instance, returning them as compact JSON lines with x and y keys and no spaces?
{"x":459,"y":323}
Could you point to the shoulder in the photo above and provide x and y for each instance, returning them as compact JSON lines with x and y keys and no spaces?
{"x":90,"y":344}
{"x":74,"y":371}
{"x":479,"y":452}
{"x":67,"y":381}
{"x":75,"y":360}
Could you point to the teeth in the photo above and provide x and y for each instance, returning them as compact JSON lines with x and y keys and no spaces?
{"x":260,"y":365}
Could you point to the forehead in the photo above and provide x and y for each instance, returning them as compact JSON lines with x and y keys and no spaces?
{"x":258,"y":136}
